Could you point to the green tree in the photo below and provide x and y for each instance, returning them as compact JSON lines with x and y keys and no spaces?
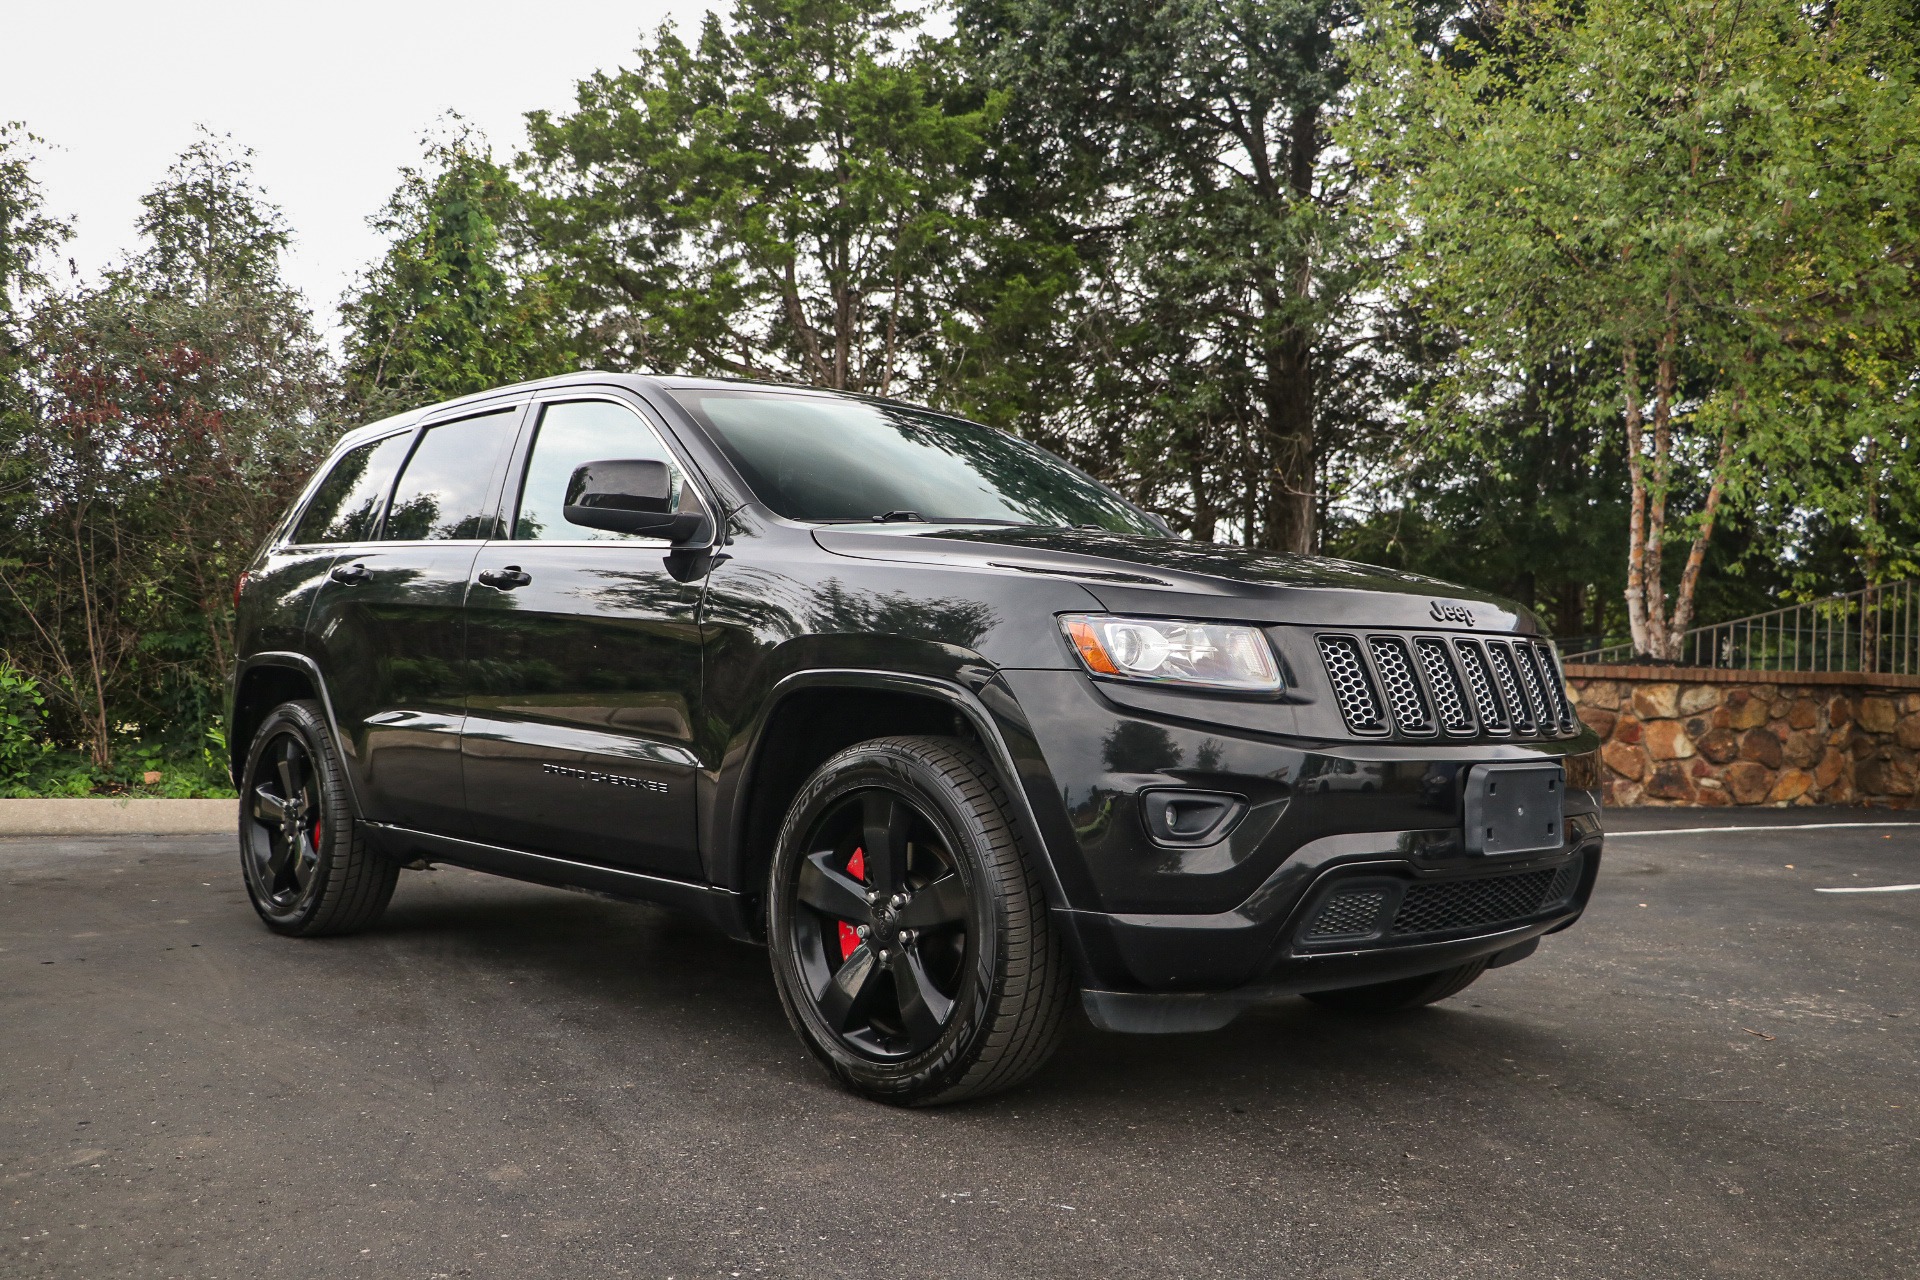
{"x":786,"y":197}
{"x":1180,"y":152}
{"x":1709,"y":193}
{"x":174,"y":410}
{"x":459,"y":302}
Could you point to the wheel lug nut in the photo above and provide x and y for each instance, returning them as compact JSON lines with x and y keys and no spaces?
{"x":860,"y":930}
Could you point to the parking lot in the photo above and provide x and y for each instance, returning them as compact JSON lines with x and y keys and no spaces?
{"x":1713,"y":1074}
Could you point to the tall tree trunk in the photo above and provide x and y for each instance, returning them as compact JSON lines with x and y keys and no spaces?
{"x":1660,"y":636}
{"x":1697,"y":553}
{"x":1636,"y":502}
{"x":1205,"y":516}
{"x":1290,"y":443}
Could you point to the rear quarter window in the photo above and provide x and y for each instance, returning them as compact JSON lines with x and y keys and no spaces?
{"x":346,"y":506}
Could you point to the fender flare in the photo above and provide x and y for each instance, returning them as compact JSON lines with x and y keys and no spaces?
{"x":311,"y":670}
{"x":732,"y":854}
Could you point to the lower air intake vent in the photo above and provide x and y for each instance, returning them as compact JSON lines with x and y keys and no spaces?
{"x":1348,"y":914}
{"x":1352,"y":686}
{"x":1442,"y":906}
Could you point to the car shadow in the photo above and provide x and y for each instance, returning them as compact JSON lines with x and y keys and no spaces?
{"x":644,"y":969}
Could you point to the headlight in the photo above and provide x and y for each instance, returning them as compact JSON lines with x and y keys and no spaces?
{"x":1209,"y":655}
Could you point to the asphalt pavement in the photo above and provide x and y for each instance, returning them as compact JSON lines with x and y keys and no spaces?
{"x":1713,"y":1074}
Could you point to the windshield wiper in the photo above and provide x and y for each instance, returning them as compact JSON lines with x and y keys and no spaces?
{"x":896,"y":517}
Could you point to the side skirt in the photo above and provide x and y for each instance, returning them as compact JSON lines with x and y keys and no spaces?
{"x":724,"y":909}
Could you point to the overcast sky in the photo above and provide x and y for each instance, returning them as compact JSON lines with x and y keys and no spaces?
{"x":332,"y":97}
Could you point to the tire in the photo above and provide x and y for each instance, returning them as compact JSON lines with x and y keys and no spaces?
{"x":1403,"y":993}
{"x":309,"y":870}
{"x":909,"y":933}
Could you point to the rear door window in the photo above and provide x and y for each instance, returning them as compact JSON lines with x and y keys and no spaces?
{"x":346,"y":506}
{"x":447,"y":488}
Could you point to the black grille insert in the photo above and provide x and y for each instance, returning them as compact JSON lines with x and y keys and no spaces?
{"x":1508,"y":683}
{"x":1352,"y":685}
{"x":1348,"y":914}
{"x":1403,"y":686}
{"x":1556,"y":685}
{"x":1448,"y":698}
{"x":1442,"y":906}
{"x":1493,"y":712}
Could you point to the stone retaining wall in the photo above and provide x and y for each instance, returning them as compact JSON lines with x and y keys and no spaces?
{"x":1697,"y":736}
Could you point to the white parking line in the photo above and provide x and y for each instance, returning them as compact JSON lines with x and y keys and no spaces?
{"x":1784,"y":826}
{"x":1878,"y":888}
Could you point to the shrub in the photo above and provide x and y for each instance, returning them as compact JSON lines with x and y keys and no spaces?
{"x":23,"y":748}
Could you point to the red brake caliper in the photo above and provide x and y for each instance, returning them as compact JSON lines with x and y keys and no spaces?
{"x":857,"y":868}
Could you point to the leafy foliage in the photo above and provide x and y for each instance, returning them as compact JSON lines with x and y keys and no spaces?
{"x":785,"y":197}
{"x":456,"y":305}
{"x":174,"y":409}
{"x":1714,"y":195}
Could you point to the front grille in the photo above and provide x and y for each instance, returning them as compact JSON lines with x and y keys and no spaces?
{"x":1445,"y":905}
{"x":1464,"y":685}
{"x":1352,"y":685}
{"x":1347,"y":914}
{"x":1403,"y":687}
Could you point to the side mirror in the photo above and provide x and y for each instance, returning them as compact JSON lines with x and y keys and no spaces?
{"x":633,"y":495}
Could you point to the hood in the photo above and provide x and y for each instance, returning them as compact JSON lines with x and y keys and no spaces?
{"x":1172,"y":577}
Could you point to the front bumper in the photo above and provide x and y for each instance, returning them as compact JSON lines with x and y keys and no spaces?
{"x":1340,"y":912}
{"x":1193,"y":933}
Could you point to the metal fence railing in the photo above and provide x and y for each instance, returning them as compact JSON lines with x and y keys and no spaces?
{"x":1871,"y":631}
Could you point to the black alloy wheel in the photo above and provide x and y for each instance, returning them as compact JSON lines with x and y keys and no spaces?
{"x":308,"y":868}
{"x":882,"y":929}
{"x":909,"y":935}
{"x":284,"y":844}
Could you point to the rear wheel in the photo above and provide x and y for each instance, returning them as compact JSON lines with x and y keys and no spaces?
{"x":308,"y":869}
{"x":1405,"y":993}
{"x":910,"y":938}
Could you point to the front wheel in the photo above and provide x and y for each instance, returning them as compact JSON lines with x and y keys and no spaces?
{"x":308,"y":868}
{"x":910,"y":939}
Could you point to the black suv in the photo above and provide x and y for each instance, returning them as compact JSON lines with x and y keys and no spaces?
{"x":952,"y":728}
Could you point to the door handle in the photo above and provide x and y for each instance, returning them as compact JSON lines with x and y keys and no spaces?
{"x":351,"y":575}
{"x":506,"y":579}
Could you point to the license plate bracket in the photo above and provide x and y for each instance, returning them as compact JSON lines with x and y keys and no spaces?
{"x":1515,"y":808}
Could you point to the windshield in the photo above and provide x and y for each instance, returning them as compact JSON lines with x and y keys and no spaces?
{"x":827,"y":460}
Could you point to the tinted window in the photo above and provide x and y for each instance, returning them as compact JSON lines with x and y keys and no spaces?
{"x":446,"y":490}
{"x":822,"y":458}
{"x":347,"y":502}
{"x":573,"y":433}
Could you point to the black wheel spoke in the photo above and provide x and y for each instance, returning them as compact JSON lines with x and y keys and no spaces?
{"x":831,"y":892}
{"x":924,"y":1010}
{"x":277,"y":863}
{"x":942,"y":902}
{"x":848,"y":993}
{"x":304,"y":860}
{"x":268,"y":807}
{"x":884,"y":820}
{"x":289,"y":767}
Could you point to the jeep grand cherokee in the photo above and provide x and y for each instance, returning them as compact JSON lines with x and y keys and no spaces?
{"x":953,"y":729}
